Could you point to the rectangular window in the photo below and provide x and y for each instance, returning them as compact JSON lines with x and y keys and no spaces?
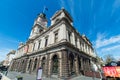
{"x":33,"y":46}
{"x":40,"y":31}
{"x":75,"y":41}
{"x":46,"y":41}
{"x":56,"y":37}
{"x":39,"y":44}
{"x":69,"y":36}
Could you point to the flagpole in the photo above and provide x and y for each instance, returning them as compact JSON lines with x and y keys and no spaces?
{"x":44,"y":9}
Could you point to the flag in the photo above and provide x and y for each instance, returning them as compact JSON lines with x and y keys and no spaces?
{"x":46,"y":9}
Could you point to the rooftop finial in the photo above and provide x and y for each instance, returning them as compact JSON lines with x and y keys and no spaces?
{"x":62,"y":8}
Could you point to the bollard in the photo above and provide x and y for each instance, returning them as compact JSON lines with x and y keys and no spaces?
{"x":19,"y":78}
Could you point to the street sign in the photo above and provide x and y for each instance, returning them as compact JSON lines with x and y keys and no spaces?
{"x":111,"y":71}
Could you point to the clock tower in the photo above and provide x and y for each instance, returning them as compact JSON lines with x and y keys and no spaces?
{"x":40,"y":25}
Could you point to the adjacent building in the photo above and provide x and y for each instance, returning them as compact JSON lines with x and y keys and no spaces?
{"x":59,"y":49}
{"x":9,"y":57}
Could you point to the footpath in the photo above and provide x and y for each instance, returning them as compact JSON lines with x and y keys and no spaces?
{"x":4,"y":77}
{"x":12,"y":76}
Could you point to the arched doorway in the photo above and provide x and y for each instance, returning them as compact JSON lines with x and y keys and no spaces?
{"x":55,"y":64}
{"x":29,"y":66}
{"x":79,"y":64}
{"x":35,"y":65}
{"x":71,"y":64}
{"x":43,"y":64}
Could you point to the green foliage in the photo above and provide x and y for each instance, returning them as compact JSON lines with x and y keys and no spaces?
{"x":109,"y":58}
{"x":1,"y":63}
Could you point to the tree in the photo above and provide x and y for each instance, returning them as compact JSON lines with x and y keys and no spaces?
{"x":100,"y":61}
{"x":109,"y":58}
{"x":1,"y":63}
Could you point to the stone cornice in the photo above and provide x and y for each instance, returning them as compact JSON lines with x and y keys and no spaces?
{"x":59,"y":12}
{"x":66,"y":45}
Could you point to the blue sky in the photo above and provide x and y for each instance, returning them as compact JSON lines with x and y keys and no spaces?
{"x":99,"y":20}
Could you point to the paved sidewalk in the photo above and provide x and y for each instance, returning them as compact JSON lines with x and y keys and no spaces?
{"x":4,"y":77}
{"x":12,"y":75}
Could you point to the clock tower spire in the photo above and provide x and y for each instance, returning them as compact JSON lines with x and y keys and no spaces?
{"x":39,"y":26}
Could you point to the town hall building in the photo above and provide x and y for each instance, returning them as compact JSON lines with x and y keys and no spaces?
{"x":58,"y":49}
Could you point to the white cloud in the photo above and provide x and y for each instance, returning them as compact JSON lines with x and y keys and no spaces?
{"x":71,"y":5}
{"x":3,"y":53}
{"x":116,"y":4}
{"x":111,"y":48}
{"x":109,"y":45}
{"x":103,"y":41}
{"x":117,"y":57}
{"x":6,"y":45}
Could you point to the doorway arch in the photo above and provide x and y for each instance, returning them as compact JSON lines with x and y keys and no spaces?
{"x":55,"y":64}
{"x":71,"y":64}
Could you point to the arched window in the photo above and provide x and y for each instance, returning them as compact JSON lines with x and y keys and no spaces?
{"x":55,"y":64}
{"x":35,"y":64}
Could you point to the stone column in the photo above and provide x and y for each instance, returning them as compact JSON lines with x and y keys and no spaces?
{"x":78,"y":43}
{"x":20,"y":65}
{"x":50,"y":67}
{"x":64,"y":64}
{"x":47,"y":65}
{"x":73,"y":38}
{"x":27,"y":64}
{"x":11,"y":65}
{"x":33,"y":62}
{"x":38,"y":60}
{"x":81,"y":60}
{"x":15,"y":65}
{"x":62,"y":33}
{"x":67,"y":35}
{"x":31,"y":65}
{"x":69,"y":71}
{"x":82,"y":46}
{"x":23,"y":63}
{"x":76,"y":65}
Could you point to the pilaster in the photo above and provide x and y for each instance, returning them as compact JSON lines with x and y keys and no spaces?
{"x":62,"y":33}
{"x":76,"y":65}
{"x":78,"y":43}
{"x":73,"y":38}
{"x":33,"y":62}
{"x":64,"y":64}
{"x":50,"y":67}
{"x":81,"y":60}
{"x":27,"y":64}
{"x":47,"y":65}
